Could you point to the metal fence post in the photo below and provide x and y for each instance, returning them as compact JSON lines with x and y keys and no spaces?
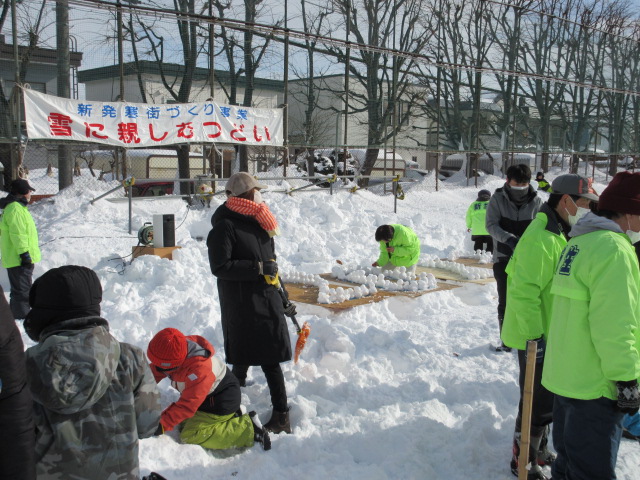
{"x":130,"y":194}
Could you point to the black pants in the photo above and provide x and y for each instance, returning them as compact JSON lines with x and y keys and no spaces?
{"x":479,"y":242}
{"x":542,"y":406}
{"x":501,"y":283}
{"x":225,"y":399}
{"x":586,"y":435}
{"x":18,"y":439}
{"x":275,"y":381}
{"x":20,"y":280}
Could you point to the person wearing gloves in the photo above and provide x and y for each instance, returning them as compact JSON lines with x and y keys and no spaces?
{"x":529,"y":300}
{"x":18,"y":440}
{"x":242,"y":257}
{"x":399,"y":247}
{"x":18,"y":244}
{"x":209,"y":403}
{"x":510,"y":211}
{"x":592,"y":361}
{"x":476,"y":218}
{"x":94,"y":396}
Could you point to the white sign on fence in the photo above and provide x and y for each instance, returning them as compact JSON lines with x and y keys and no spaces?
{"x":149,"y":125}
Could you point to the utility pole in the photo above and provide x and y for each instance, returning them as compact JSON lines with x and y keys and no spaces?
{"x":65,"y":167}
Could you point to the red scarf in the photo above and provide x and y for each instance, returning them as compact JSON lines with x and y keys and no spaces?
{"x":259,"y":211}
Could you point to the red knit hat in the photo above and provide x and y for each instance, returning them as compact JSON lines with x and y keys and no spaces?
{"x":622,"y":195}
{"x":168,"y":348}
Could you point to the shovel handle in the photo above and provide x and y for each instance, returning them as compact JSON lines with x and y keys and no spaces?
{"x":527,"y":404}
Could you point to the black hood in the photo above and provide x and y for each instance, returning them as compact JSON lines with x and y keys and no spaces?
{"x":4,"y":202}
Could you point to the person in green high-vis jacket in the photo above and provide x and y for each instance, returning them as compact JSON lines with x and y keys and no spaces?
{"x":399,"y":247}
{"x":476,"y":217}
{"x":18,"y":245}
{"x":543,"y":184}
{"x":529,"y":275}
{"x":592,"y":361}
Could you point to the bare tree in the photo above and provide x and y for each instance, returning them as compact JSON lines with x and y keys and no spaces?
{"x":32,"y":22}
{"x":381,"y":80}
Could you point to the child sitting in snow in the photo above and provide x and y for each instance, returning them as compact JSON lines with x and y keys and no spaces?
{"x":209,"y":403}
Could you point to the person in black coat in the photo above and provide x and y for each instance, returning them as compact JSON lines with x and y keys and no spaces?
{"x":18,"y":438}
{"x":242,"y":257}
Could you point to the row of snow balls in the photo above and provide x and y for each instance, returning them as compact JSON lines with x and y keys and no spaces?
{"x":471,"y":273}
{"x":369,"y":283}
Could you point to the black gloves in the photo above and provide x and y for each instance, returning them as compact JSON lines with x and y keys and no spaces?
{"x":159,"y":431}
{"x":512,"y":242}
{"x":542,"y":345}
{"x":290,"y":310}
{"x":628,"y":397}
{"x":270,"y":267}
{"x":25,"y":259}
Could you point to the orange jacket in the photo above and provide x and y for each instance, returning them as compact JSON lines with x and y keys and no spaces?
{"x":195,"y":379}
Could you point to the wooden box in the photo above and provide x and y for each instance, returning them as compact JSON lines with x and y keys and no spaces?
{"x":162,"y":252}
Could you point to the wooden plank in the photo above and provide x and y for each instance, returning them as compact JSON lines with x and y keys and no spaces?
{"x":309,"y":294}
{"x":442,"y":274}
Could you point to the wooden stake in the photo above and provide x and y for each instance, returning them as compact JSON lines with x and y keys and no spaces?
{"x":527,"y":403}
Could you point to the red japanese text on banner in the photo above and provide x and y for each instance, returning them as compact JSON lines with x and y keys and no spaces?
{"x":145,"y":124}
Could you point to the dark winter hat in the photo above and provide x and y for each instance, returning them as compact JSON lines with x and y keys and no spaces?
{"x":539,"y":174}
{"x":622,"y":195}
{"x":574,"y":184}
{"x":484,"y":195}
{"x":21,"y":187}
{"x":167,"y":349}
{"x":61,"y":294}
{"x":242,"y":182}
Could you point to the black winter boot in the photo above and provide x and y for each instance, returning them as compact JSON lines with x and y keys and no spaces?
{"x":279,"y":422}
{"x":545,"y":456}
{"x":535,"y":470}
{"x":153,"y":476}
{"x":260,"y":435}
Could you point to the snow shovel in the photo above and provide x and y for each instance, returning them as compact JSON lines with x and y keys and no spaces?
{"x":290,"y":311}
{"x":527,"y":403}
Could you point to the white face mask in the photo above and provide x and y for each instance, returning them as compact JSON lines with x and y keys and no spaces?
{"x":633,"y":236}
{"x":257,"y":197}
{"x":581,"y":212}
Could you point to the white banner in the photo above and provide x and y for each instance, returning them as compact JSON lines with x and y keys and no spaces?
{"x":149,"y":125}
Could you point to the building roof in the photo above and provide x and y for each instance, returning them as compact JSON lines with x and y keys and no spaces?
{"x":38,"y":54}
{"x":171,"y":69}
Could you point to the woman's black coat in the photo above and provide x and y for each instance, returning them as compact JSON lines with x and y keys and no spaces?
{"x":18,"y":437}
{"x":253,"y":322}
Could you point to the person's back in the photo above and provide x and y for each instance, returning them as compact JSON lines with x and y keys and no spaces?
{"x":476,"y":222}
{"x":94,"y":396}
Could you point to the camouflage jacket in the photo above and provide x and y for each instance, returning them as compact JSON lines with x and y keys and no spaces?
{"x":94,"y":397}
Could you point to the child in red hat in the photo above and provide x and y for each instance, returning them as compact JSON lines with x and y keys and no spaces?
{"x":209,"y":403}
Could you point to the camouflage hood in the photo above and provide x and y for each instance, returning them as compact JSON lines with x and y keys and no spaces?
{"x":73,"y":365}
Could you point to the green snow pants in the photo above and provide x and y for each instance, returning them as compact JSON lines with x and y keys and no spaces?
{"x":218,"y":432}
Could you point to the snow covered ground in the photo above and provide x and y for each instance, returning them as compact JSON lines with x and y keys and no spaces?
{"x":405,"y":388}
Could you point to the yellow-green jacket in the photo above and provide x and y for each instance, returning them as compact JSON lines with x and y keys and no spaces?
{"x":544,"y":186}
{"x":594,"y":336}
{"x":18,"y":234}
{"x":406,"y":246}
{"x":529,"y":275}
{"x":476,"y":217}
